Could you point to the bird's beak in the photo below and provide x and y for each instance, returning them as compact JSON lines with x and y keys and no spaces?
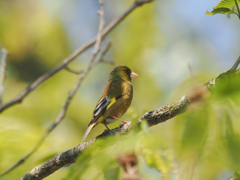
{"x":133,"y":74}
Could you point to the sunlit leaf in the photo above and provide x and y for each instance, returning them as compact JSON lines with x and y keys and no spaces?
{"x":224,"y":7}
{"x":226,"y":4}
{"x":220,"y":11}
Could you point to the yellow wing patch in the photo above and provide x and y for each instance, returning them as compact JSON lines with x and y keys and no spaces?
{"x":113,"y":100}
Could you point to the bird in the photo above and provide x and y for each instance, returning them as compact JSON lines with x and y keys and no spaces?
{"x":115,"y":99}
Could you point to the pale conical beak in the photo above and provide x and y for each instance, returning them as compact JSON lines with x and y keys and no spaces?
{"x":133,"y":74}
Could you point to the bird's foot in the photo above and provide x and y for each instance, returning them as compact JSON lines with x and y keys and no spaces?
{"x":106,"y":130}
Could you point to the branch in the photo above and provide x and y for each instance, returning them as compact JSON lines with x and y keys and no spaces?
{"x":3,"y":72}
{"x":100,"y":28}
{"x":65,"y":62}
{"x":107,"y":62}
{"x":154,"y":117}
{"x":74,"y":71}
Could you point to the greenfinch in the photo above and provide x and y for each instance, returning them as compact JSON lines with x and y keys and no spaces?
{"x":115,"y":99}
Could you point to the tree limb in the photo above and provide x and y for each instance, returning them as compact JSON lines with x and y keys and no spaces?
{"x":65,"y":62}
{"x":154,"y":117}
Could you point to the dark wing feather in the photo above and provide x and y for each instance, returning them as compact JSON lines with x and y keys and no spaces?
{"x":101,"y":107}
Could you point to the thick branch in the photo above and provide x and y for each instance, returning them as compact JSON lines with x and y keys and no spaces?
{"x":152,"y":118}
{"x":58,"y":161}
{"x":66,"y":61}
{"x":165,"y":112}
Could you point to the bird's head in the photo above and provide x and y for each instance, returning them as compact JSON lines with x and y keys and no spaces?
{"x":122,"y":72}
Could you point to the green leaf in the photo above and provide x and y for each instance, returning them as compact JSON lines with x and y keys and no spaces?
{"x":220,"y":11}
{"x":223,"y":7}
{"x":226,"y":4}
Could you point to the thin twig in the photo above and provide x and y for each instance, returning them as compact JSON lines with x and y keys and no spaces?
{"x":82,"y":71}
{"x":100,"y":28}
{"x":62,"y":113}
{"x":66,"y":61}
{"x":234,"y":67}
{"x":74,"y":71}
{"x":108,"y":62}
{"x":152,"y":118}
{"x":3,"y":72}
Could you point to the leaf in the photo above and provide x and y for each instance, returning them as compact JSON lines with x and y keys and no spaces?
{"x":223,"y":7}
{"x":220,"y":11}
{"x":226,"y":4}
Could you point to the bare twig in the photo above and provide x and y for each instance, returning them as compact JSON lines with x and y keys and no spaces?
{"x":108,"y":62}
{"x":66,"y":61}
{"x":74,"y":71}
{"x":100,"y":28}
{"x":3,"y":72}
{"x":61,"y":115}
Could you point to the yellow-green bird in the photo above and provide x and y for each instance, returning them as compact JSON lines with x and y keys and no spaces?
{"x":115,"y":99}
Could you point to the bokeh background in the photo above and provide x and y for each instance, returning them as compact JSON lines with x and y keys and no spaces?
{"x":162,"y":42}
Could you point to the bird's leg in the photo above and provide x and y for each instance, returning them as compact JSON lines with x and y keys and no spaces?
{"x":123,"y":122}
{"x":106,"y":129}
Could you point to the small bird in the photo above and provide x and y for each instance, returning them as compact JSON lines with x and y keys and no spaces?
{"x":115,"y":99}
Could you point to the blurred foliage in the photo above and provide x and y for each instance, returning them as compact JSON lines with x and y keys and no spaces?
{"x":202,"y":143}
{"x":35,"y":40}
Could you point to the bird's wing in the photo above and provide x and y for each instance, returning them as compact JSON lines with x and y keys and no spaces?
{"x":107,"y":100}
{"x":102,"y":106}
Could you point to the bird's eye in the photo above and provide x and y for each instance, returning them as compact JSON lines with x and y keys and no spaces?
{"x":128,"y":71}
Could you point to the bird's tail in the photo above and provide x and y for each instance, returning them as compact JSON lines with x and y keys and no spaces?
{"x":88,"y":130}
